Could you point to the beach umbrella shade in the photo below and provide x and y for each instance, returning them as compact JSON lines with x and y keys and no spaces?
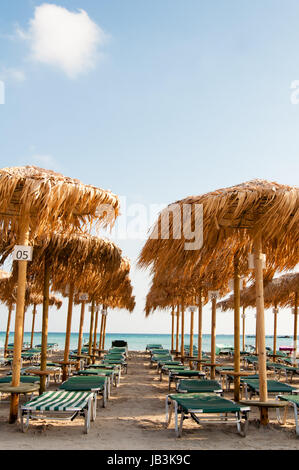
{"x":258,"y":213}
{"x":35,"y":201}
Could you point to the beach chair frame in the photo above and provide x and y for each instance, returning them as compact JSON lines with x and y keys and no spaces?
{"x":282,"y":420}
{"x":88,"y":412}
{"x":240,"y":418}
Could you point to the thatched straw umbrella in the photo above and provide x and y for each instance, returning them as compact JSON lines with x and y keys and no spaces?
{"x":278,"y":292}
{"x":254,"y":214}
{"x":35,"y":201}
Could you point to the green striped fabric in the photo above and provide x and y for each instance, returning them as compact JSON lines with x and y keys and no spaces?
{"x":59,"y":401}
{"x":272,"y":386}
{"x":26,"y":379}
{"x":187,"y":373}
{"x":290,"y":398}
{"x":198,"y":386}
{"x":205,"y":403}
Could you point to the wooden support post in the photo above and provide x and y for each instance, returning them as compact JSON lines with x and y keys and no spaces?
{"x":68,"y":330}
{"x":275,"y":332}
{"x":236,"y":328}
{"x":91,"y":329}
{"x":199,"y":354}
{"x":80,"y":338}
{"x":183,"y":333}
{"x":263,"y":393}
{"x":23,"y":240}
{"x":104,"y":330}
{"x":33,"y":324}
{"x":177,"y":329}
{"x":213,"y":337}
{"x":244,"y":330}
{"x":23,"y":327}
{"x":295,"y":323}
{"x":95,"y":333}
{"x":45,"y":320}
{"x":7,"y":330}
{"x":101,"y":332}
{"x":172,"y":328}
{"x":191,"y":335}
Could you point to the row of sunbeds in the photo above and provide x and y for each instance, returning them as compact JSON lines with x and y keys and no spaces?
{"x":78,"y":395}
{"x":202,"y":399}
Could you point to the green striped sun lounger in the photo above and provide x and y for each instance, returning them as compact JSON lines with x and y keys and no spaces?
{"x":165,"y":368}
{"x":175,"y":375}
{"x":59,"y":405}
{"x":111,"y":371}
{"x":198,"y":386}
{"x":123,"y":364}
{"x":205,"y":407}
{"x":273,"y":386}
{"x":94,"y":374}
{"x":25,"y":379}
{"x":149,"y":347}
{"x":98,"y":385}
{"x":293,"y":401}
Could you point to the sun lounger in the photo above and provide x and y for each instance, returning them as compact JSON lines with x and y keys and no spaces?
{"x":25,"y":379}
{"x":198,"y":386}
{"x":197,"y":405}
{"x":273,"y":386}
{"x":97,"y":384}
{"x":58,"y":406}
{"x":293,"y":401}
{"x":176,"y":374}
{"x":149,"y":347}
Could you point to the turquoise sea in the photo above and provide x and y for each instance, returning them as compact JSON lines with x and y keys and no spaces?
{"x":138,"y":342}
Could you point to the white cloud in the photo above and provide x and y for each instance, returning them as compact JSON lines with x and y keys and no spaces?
{"x":17,"y":75}
{"x":65,"y":39}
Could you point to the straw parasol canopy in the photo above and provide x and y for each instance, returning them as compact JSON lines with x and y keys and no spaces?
{"x":51,"y":200}
{"x":34,"y":201}
{"x":238,"y":213}
{"x":258,"y":215}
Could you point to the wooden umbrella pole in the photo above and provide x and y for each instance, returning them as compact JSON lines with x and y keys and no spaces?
{"x":275,"y":332}
{"x":68,"y":330}
{"x":177,"y":329}
{"x":45,"y":320}
{"x":95,"y":333}
{"x":236,"y":328}
{"x":23,"y":330}
{"x":295,"y":323}
{"x":33,"y":324}
{"x":244,"y":330}
{"x":7,"y":330}
{"x":183,"y":333}
{"x":104,"y":331}
{"x":91,"y":329}
{"x":80,"y":339}
{"x":260,"y":326}
{"x":191,"y":335}
{"x":213,"y":337}
{"x":172,"y":328}
{"x":101,"y":332}
{"x":20,"y":303}
{"x":199,"y":354}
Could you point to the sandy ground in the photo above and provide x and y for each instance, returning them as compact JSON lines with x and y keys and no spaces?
{"x":135,"y":419}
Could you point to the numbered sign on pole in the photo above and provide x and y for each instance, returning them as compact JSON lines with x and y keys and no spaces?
{"x":22,"y":253}
{"x":83,"y":297}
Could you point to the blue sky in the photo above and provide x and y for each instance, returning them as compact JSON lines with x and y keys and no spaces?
{"x":183,"y":97}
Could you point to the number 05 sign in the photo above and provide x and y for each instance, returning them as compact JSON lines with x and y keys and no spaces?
{"x":22,"y":253}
